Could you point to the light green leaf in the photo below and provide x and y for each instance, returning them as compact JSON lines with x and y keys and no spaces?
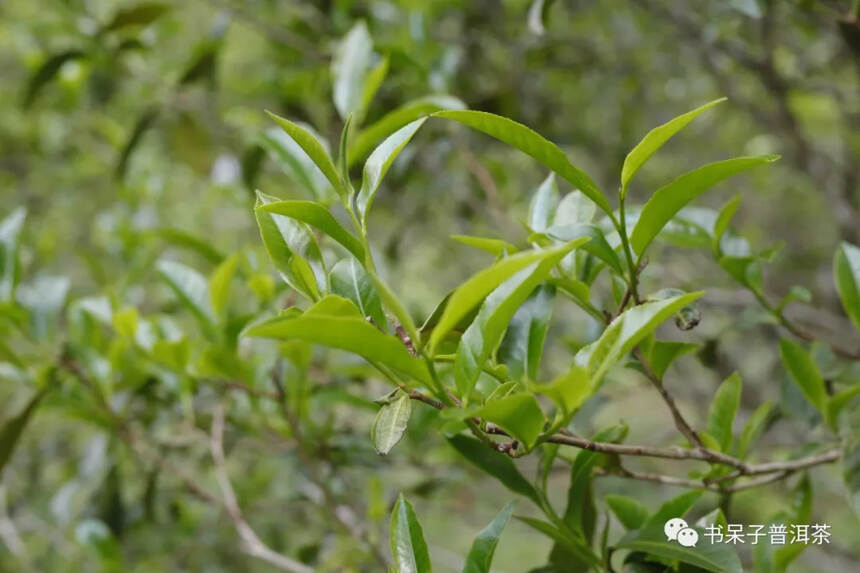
{"x":379,"y":162}
{"x":390,"y":423}
{"x":408,"y":547}
{"x":409,"y":112}
{"x":597,"y":246}
{"x":349,"y":280}
{"x":669,"y":199}
{"x":727,"y":212}
{"x":496,"y":247}
{"x":190,"y":286}
{"x":804,"y":373}
{"x":10,"y":230}
{"x":349,"y":68}
{"x":486,"y":331}
{"x":574,"y":208}
{"x":518,"y":414}
{"x":626,"y":331}
{"x":530,"y":143}
{"x":846,"y":274}
{"x":495,"y":464}
{"x":543,"y":205}
{"x":14,"y":428}
{"x":293,"y":250}
{"x":468,"y":295}
{"x":662,"y":353}
{"x":753,"y":428}
{"x":568,"y":391}
{"x":219,"y":284}
{"x":724,"y":407}
{"x":480,"y":556}
{"x":319,"y":217}
{"x":654,"y":140}
{"x":629,"y":512}
{"x":314,"y":148}
{"x":337,"y":323}
{"x":295,"y":162}
{"x":837,"y":402}
{"x":522,"y":345}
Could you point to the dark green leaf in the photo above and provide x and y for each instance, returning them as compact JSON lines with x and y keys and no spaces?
{"x":846,"y":274}
{"x":143,"y":124}
{"x":480,"y":556}
{"x":140,"y":15}
{"x":573,"y":545}
{"x":523,"y":343}
{"x":530,"y":143}
{"x":495,"y":464}
{"x":14,"y":427}
{"x":48,"y":71}
{"x":349,"y":280}
{"x":629,"y":512}
{"x":408,"y":547}
{"x":753,"y":428}
{"x":668,"y":200}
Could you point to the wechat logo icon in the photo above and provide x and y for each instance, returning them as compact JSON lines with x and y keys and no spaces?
{"x":676,"y":529}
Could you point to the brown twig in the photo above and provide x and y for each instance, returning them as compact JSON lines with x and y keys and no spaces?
{"x":251,"y":542}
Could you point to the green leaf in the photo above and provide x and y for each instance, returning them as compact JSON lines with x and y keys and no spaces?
{"x":572,"y":544}
{"x":532,"y":144}
{"x":496,"y":247}
{"x":727,"y":212}
{"x":626,"y":331}
{"x":319,"y":217}
{"x":716,"y":557}
{"x":568,"y":390}
{"x":293,"y":250}
{"x":379,"y":162}
{"x":597,"y":246}
{"x":486,"y":331}
{"x":393,"y":304}
{"x":349,"y":280}
{"x":219,"y":284}
{"x":140,"y":15}
{"x":522,"y":345}
{"x":654,"y":140}
{"x":668,"y":200}
{"x":846,"y":274}
{"x":837,"y":402}
{"x":390,"y":423}
{"x":46,"y":72}
{"x":495,"y":464}
{"x":851,"y":471}
{"x":408,"y":547}
{"x":724,"y":407}
{"x":469,"y":294}
{"x":295,"y":162}
{"x":337,"y":323}
{"x":315,"y":150}
{"x":753,"y":428}
{"x":343,"y":157}
{"x":804,"y":373}
{"x":191,"y":288}
{"x":182,"y":240}
{"x":629,"y":512}
{"x":662,"y":353}
{"x":574,"y":208}
{"x":14,"y":428}
{"x":372,"y":83}
{"x":409,"y":112}
{"x":10,"y":231}
{"x":518,"y":414}
{"x":349,"y":68}
{"x":480,"y":556}
{"x":543,"y":205}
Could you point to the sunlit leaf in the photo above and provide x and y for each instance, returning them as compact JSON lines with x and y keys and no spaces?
{"x":349,"y":67}
{"x":319,"y":217}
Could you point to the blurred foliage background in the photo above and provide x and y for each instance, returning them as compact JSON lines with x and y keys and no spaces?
{"x":132,"y":136}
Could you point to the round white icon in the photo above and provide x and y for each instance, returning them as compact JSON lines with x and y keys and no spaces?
{"x":673,"y":526}
{"x":688,"y":537}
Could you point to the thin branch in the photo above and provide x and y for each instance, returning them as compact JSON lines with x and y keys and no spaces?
{"x":690,"y":483}
{"x":680,"y":422}
{"x":252,"y":544}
